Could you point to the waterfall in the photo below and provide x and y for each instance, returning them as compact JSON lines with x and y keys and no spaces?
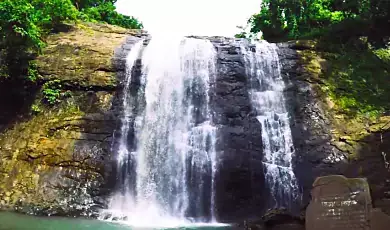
{"x":266,"y":93}
{"x":167,"y":170}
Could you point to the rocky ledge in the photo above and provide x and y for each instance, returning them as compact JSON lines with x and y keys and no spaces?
{"x":55,"y":159}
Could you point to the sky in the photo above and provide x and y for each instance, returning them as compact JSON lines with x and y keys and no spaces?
{"x":191,"y":17}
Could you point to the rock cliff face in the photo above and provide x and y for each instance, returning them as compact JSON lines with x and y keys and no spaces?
{"x":240,"y":178}
{"x":56,"y":159}
{"x":327,"y":140}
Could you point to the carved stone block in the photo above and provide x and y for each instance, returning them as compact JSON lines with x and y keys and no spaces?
{"x":339,"y":203}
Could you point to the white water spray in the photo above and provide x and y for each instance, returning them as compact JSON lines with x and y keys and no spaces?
{"x":173,"y":153}
{"x":267,"y":97}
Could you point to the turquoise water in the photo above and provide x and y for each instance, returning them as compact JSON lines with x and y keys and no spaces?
{"x":13,"y":221}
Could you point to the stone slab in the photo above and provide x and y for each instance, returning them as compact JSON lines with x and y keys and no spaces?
{"x":339,"y":203}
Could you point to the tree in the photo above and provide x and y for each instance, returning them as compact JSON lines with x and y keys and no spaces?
{"x":105,"y":11}
{"x":82,"y":4}
{"x":23,"y":24}
{"x":291,"y":19}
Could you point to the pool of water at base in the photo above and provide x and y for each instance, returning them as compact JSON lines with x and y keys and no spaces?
{"x":14,"y":221}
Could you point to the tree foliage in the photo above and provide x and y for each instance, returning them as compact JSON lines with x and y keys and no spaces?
{"x":25,"y":23}
{"x":105,"y":12}
{"x":291,"y":19}
{"x":351,"y":37}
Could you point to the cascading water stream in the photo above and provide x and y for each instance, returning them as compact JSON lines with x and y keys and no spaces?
{"x":266,"y":92}
{"x":172,"y":155}
{"x":123,"y":199}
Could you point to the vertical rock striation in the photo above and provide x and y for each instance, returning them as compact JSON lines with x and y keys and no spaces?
{"x":240,"y":177}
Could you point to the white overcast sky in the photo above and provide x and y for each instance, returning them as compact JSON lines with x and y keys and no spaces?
{"x":191,"y":17}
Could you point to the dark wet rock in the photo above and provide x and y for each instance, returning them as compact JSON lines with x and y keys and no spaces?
{"x":107,"y":216}
{"x":379,"y":220}
{"x":310,"y":126}
{"x":275,"y":219}
{"x":239,"y":179}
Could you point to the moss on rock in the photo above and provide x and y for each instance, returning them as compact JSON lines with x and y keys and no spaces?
{"x":53,"y":161}
{"x":354,"y":88}
{"x":40,"y":156}
{"x":82,"y":56}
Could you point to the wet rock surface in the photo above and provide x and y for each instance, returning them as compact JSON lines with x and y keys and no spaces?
{"x":310,"y":126}
{"x":239,"y":180}
{"x":56,"y":160}
{"x":327,"y":141}
{"x":275,"y":219}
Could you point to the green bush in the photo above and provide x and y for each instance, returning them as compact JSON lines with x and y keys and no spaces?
{"x":52,"y":92}
{"x":25,"y":23}
{"x":358,"y":82}
{"x":280,"y":20}
{"x":105,"y":12}
{"x":23,"y":26}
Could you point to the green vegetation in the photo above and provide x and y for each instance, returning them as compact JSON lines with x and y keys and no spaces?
{"x":352,"y":37}
{"x":290,"y":19}
{"x":32,"y":72}
{"x":355,"y":76}
{"x":52,"y":91}
{"x":35,"y":109}
{"x":25,"y":24}
{"x":358,"y":82}
{"x":104,"y":11}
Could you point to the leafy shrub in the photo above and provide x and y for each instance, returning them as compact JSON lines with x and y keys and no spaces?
{"x":105,"y":12}
{"x":25,"y":23}
{"x":52,"y":92}
{"x":290,"y":19}
{"x":23,"y":26}
{"x":35,"y":109}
